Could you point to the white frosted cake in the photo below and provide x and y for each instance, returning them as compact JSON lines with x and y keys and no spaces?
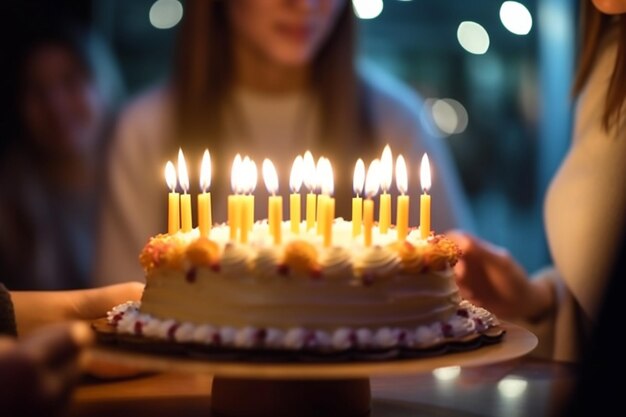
{"x":301,"y":295}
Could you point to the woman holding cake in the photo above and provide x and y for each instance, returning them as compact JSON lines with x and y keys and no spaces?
{"x":266,"y":79}
{"x":584,"y":209}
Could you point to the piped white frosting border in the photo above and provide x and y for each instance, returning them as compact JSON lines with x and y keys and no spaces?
{"x":128,"y":319}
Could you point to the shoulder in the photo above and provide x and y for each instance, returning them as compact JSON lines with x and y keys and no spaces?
{"x":151,"y":106}
{"x":396,"y":109}
{"x":145,"y":120}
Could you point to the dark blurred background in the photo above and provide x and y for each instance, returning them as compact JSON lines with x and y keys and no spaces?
{"x":499,"y":109}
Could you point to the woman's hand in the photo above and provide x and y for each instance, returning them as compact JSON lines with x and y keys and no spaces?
{"x":34,"y":309}
{"x":38,"y":372}
{"x":489,"y":277}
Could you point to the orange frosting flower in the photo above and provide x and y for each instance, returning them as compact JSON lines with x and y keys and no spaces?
{"x":203,"y":252}
{"x":301,"y":257}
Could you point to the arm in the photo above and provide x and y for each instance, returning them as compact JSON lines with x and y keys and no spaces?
{"x":34,"y":309}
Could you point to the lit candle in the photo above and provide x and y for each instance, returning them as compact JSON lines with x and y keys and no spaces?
{"x":328,"y":207}
{"x":321,"y":198}
{"x":185,"y":199}
{"x":425,"y":198}
{"x":234,"y":200}
{"x":402,"y":214}
{"x":358,"y":181}
{"x":205,"y":217}
{"x":173,"y":201}
{"x":386,"y":173}
{"x":247,"y":180}
{"x":372,"y":184}
{"x":295,"y":182}
{"x":275,"y":202}
{"x":310,"y":184}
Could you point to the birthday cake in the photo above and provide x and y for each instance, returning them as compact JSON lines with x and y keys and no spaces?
{"x":321,"y":286}
{"x":301,"y":295}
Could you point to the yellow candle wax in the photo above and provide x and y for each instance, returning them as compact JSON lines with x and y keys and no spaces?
{"x":357,"y":216}
{"x":384,"y":218}
{"x":424,"y":216}
{"x":205,"y":216}
{"x":402,"y":217}
{"x":329,"y":217}
{"x":275,"y":217}
{"x":173,"y":217}
{"x":247,"y":216}
{"x":294,"y":212}
{"x":321,"y":204}
{"x":250,"y":211}
{"x":368,"y":221}
{"x":234,"y":215}
{"x":185,"y":212}
{"x":311,"y":201}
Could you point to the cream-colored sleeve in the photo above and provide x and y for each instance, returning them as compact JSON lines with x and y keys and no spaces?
{"x":586,"y":201}
{"x":133,"y":206}
{"x":562,"y":330}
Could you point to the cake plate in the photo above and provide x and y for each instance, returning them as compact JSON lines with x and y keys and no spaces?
{"x":247,"y":389}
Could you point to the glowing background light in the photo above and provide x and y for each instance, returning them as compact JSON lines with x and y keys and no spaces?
{"x":449,"y":115}
{"x":165,"y":14}
{"x":512,"y":386}
{"x":473,"y":37}
{"x":367,"y":9}
{"x":516,"y":17}
{"x":448,"y":373}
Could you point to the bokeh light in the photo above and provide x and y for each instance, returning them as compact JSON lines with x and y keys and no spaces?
{"x":165,"y":14}
{"x":512,"y":386}
{"x":367,"y":9}
{"x":516,"y":17}
{"x":448,"y":115}
{"x":448,"y":373}
{"x":473,"y":37}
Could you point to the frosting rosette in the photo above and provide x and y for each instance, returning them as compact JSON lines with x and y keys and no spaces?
{"x":377,"y":262}
{"x":267,"y":262}
{"x":235,"y":259}
{"x":336,"y":262}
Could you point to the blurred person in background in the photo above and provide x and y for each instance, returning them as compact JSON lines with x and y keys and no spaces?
{"x":269,"y":79}
{"x":584,"y":207}
{"x":54,"y":117}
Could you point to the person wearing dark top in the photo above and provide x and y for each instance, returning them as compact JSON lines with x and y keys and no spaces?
{"x":54,"y":114}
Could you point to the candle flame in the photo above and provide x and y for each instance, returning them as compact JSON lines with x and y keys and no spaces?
{"x":358,"y":180}
{"x":234,"y":174}
{"x":296,"y":177}
{"x":425,"y":174}
{"x":372,"y":180}
{"x":254,"y":176}
{"x":386,"y":169}
{"x":270,"y":176}
{"x":170,"y":176}
{"x":183,"y":177}
{"x":205,"y":171}
{"x":309,"y":172}
{"x":247,"y":178}
{"x":319,"y":172}
{"x":402,"y":182}
{"x":326,"y":177}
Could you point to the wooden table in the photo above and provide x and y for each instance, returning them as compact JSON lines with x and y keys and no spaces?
{"x":515,"y":388}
